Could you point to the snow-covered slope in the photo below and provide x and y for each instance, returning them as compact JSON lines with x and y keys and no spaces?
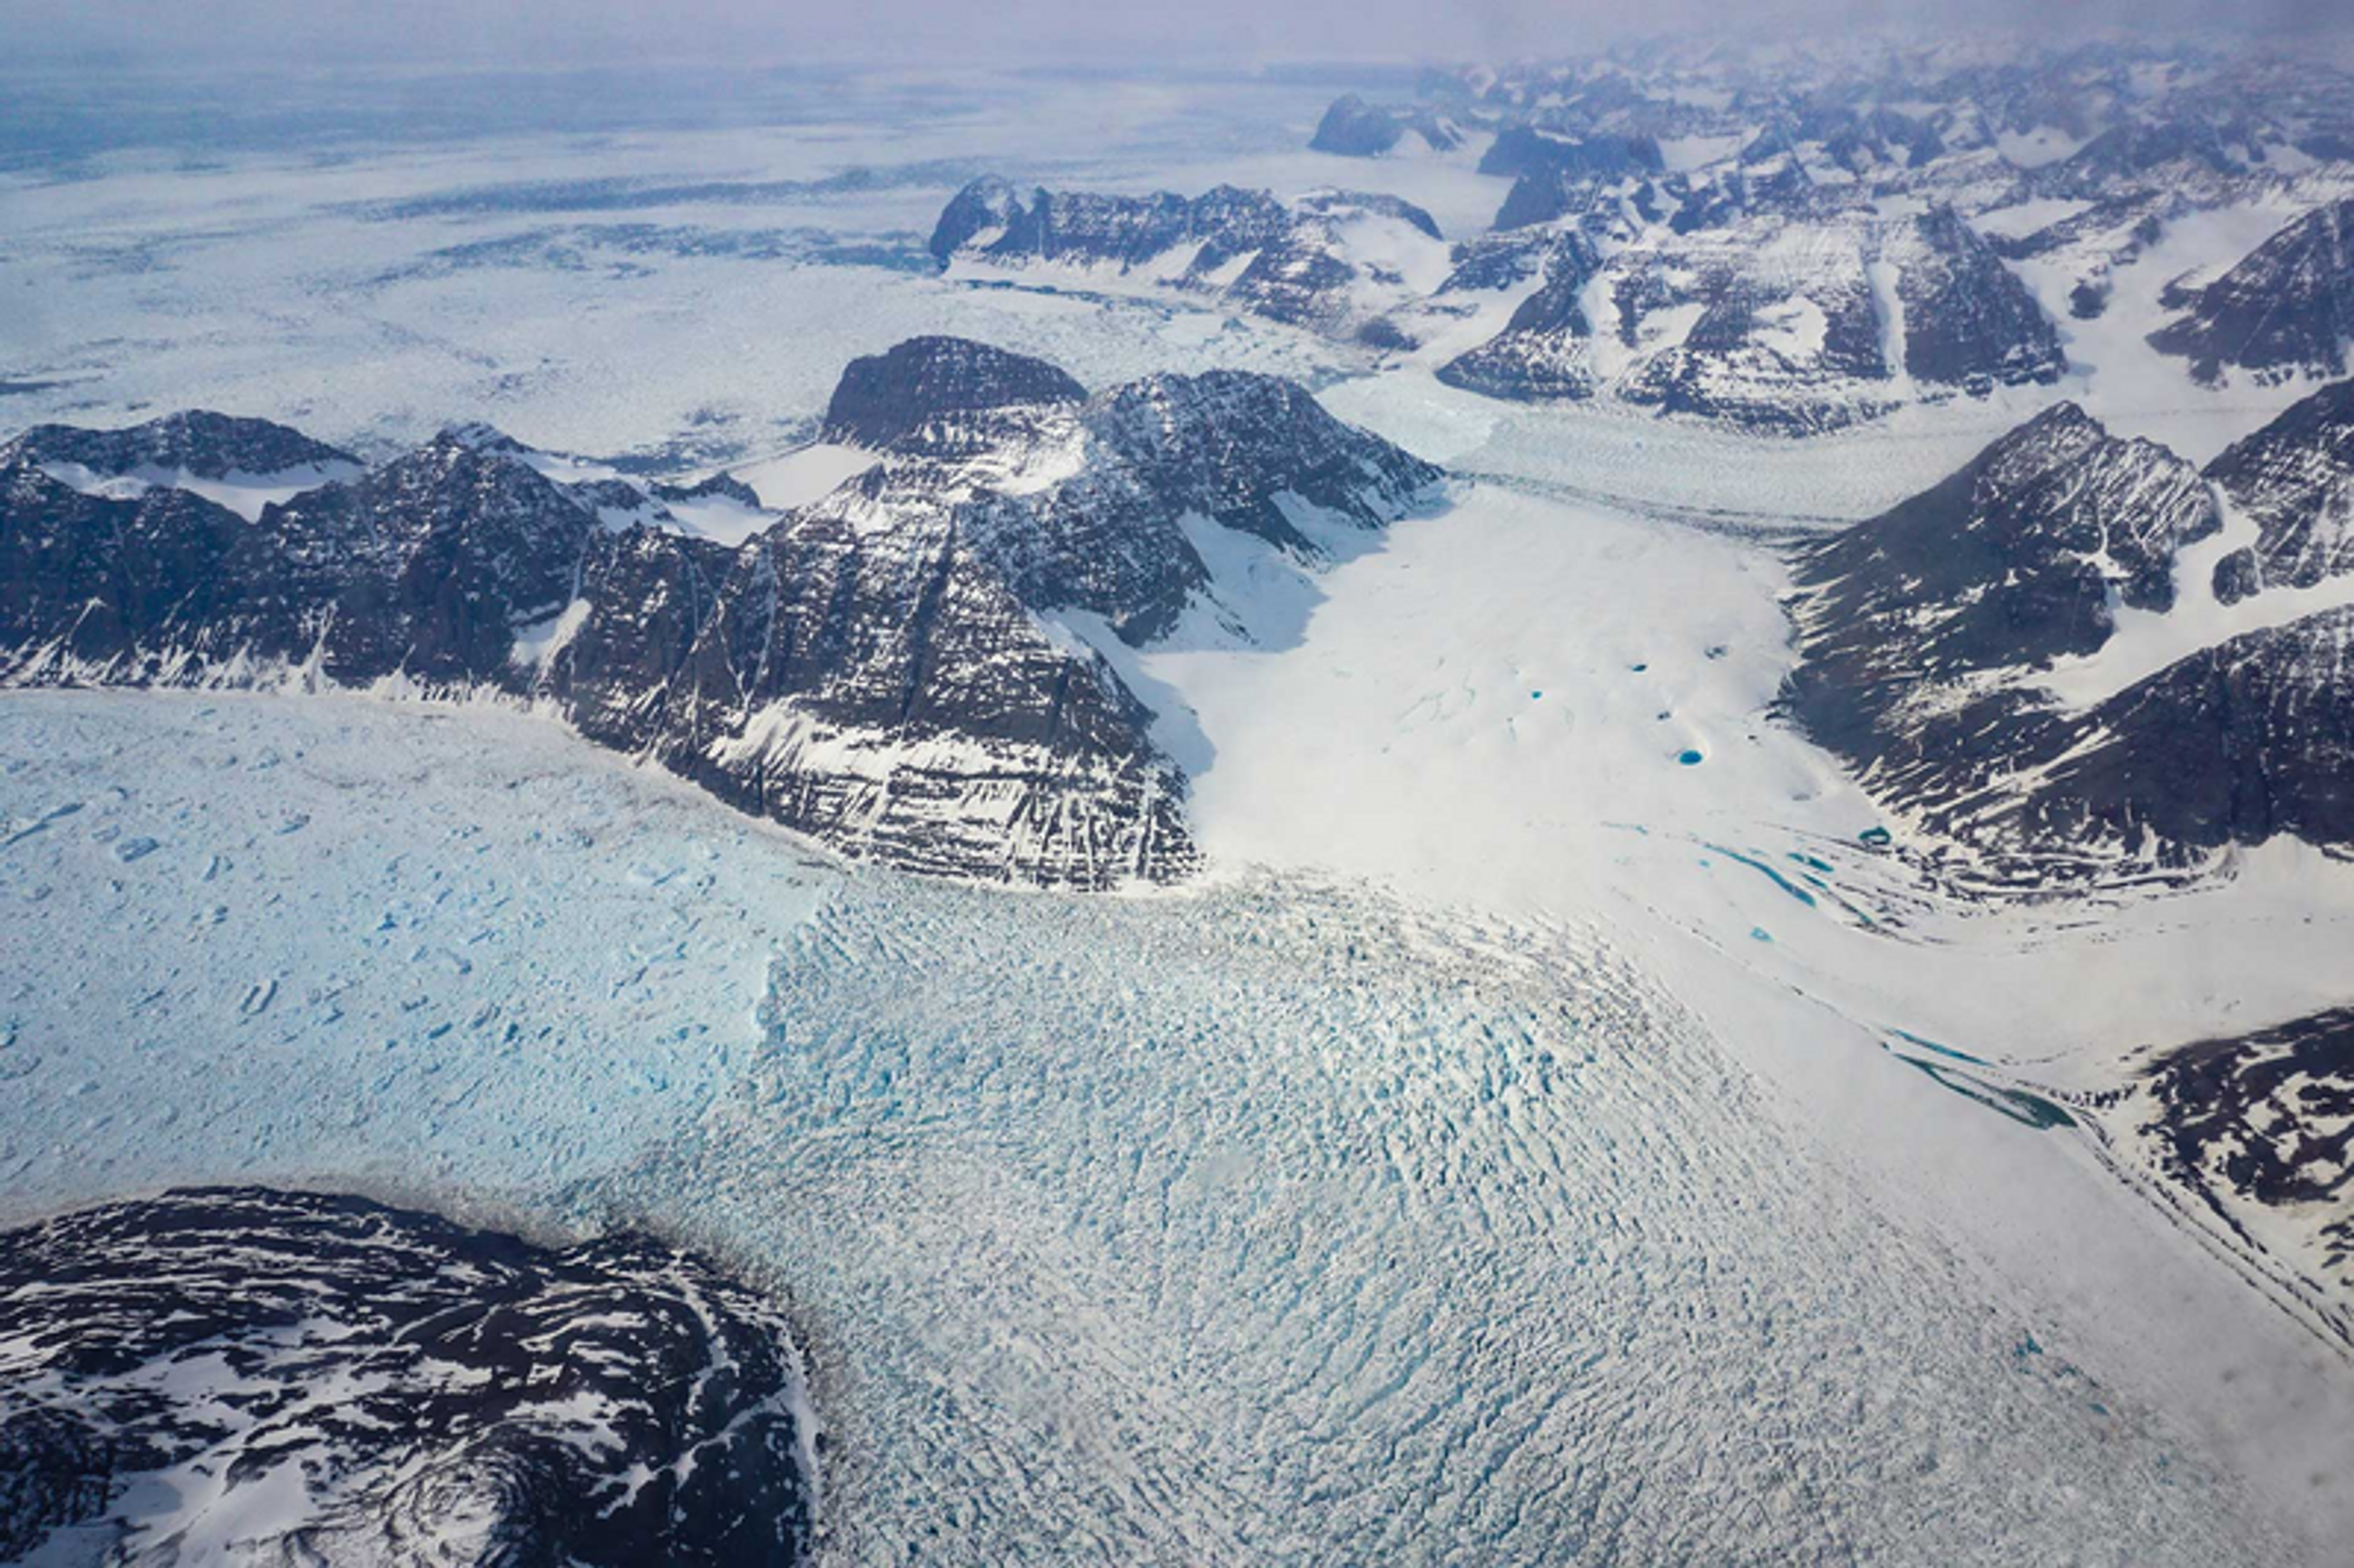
{"x":1772,"y":323}
{"x":1977,"y":654}
{"x":2286,"y":309}
{"x":235,"y":1375}
{"x":873,"y":667}
{"x":1279,"y":1221}
{"x":1335,"y":262}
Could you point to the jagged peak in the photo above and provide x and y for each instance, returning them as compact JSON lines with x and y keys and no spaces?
{"x":202,"y":441}
{"x":476,"y":435}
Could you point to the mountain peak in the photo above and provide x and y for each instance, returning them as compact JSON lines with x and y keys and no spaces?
{"x":195,"y":442}
{"x":881,"y":398}
{"x":475,"y":435}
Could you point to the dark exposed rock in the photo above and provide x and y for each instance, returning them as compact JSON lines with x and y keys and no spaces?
{"x":1541,"y":353}
{"x":2136,"y":150}
{"x":989,"y":217}
{"x":351,"y":1382}
{"x":2239,"y":742}
{"x":2295,"y":479}
{"x":1497,"y":261}
{"x":1289,"y":263}
{"x":2288,"y":307}
{"x":719,"y":486}
{"x":199,"y":444}
{"x":1920,"y":632}
{"x":1350,"y":204}
{"x":1558,"y":178}
{"x":876,"y":669}
{"x":2266,"y":1120}
{"x":2009,"y":564}
{"x":1924,"y":635}
{"x":1968,"y":320}
{"x":422,"y":568}
{"x":1356,"y":129}
{"x":884,"y":397}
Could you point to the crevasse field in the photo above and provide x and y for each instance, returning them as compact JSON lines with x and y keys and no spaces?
{"x":1527,"y":1145}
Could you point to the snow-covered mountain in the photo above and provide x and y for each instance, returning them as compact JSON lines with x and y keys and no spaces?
{"x":2258,"y":1127}
{"x":1787,"y":244}
{"x":1771,"y":321}
{"x":242,"y":464}
{"x":1334,"y":261}
{"x":1356,"y":129}
{"x":206,"y":445}
{"x":2080,"y":652}
{"x":2287,"y":309}
{"x":249,"y":1375}
{"x":886,"y":668}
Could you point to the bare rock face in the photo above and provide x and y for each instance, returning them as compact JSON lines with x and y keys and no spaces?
{"x":885,"y":397}
{"x":197,"y":442}
{"x":1968,"y":320}
{"x":327,"y":1379}
{"x":2287,"y":308}
{"x":2260,"y":1122}
{"x":719,"y":486}
{"x":1545,"y":351}
{"x":885,"y":669}
{"x":1928,"y":637}
{"x":1356,"y":129}
{"x":1556,"y":177}
{"x":1295,"y":262}
{"x":2295,"y":478}
{"x":1761,"y":320}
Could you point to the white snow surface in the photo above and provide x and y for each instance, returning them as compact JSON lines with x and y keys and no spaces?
{"x":243,"y":493}
{"x":1512,"y":1153}
{"x":805,"y":474}
{"x":1278,"y":1220}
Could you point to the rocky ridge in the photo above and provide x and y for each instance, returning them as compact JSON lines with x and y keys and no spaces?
{"x":237,"y":1373}
{"x":889,"y":668}
{"x":1950,"y":651}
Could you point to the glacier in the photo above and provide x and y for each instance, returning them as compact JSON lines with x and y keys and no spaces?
{"x":1283,"y":1219}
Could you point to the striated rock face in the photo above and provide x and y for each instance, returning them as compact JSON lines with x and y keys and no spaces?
{"x":2248,"y":738}
{"x":884,"y":397}
{"x":1919,"y":631}
{"x":1546,"y":350}
{"x":1303,"y":263}
{"x":2295,"y":479}
{"x":1771,"y":324}
{"x":884,"y":669}
{"x":2287,"y":308}
{"x":1968,"y":320}
{"x":1929,"y":639}
{"x":199,"y":444}
{"x":419,"y":568}
{"x":2260,"y":1123}
{"x":320,"y":1379}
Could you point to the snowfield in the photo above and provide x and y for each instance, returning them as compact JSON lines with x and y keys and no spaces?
{"x":1551,"y":1131}
{"x":1279,"y":1221}
{"x":405,"y":945}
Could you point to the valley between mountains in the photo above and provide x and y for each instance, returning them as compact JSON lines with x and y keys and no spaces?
{"x":1593,"y":812}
